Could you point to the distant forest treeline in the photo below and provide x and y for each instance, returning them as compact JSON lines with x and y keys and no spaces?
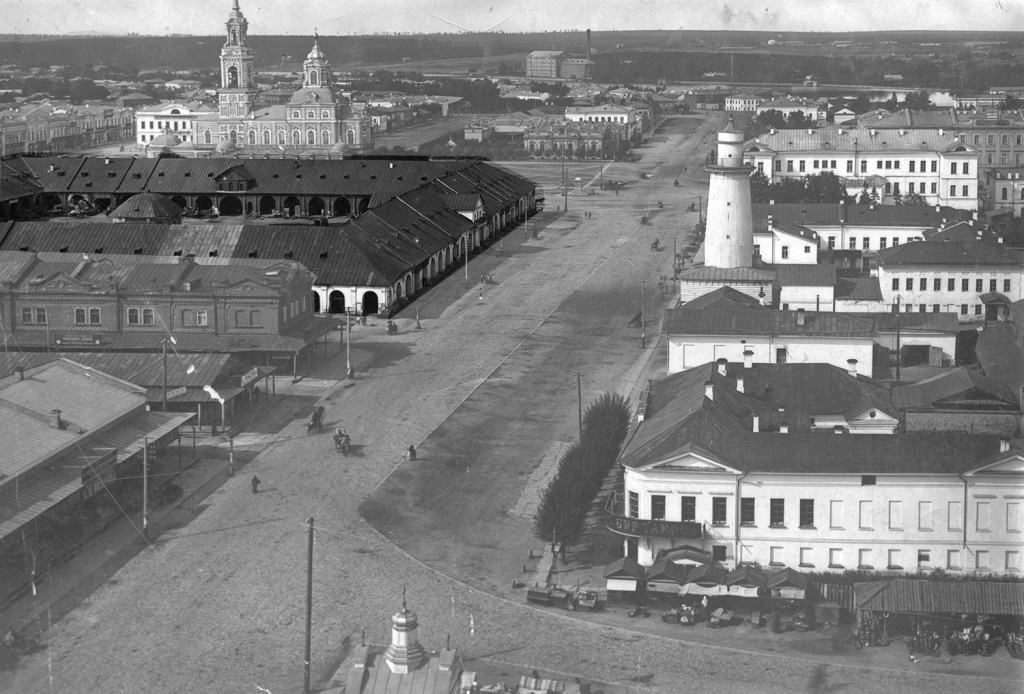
{"x":620,"y":56}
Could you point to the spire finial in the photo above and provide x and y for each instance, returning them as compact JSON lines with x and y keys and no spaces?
{"x":234,"y":5}
{"x":362,"y":638}
{"x":403,"y":598}
{"x":448,"y":642}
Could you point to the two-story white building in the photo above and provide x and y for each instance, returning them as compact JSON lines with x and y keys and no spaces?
{"x":755,"y":334}
{"x":801,"y":465}
{"x":788,"y":105}
{"x":175,"y":116}
{"x":744,"y":101}
{"x":961,"y":277}
{"x":932,"y":163}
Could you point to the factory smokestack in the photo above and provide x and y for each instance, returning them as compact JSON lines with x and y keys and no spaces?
{"x":588,"y":44}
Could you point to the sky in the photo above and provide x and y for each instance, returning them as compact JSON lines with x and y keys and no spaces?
{"x":334,"y":17}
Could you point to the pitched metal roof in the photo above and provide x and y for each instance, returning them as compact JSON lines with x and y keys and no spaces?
{"x":969,"y":253}
{"x":834,"y":214}
{"x":946,"y":385}
{"x":142,"y":369}
{"x":936,"y":597}
{"x":624,"y":568}
{"x":723,"y":297}
{"x":823,"y":275}
{"x":761,"y":321}
{"x":737,"y":274}
{"x":860,"y":139}
{"x":886,"y":321}
{"x":747,"y":576}
{"x":787,"y":578}
{"x":858,"y":289}
{"x":1000,"y":354}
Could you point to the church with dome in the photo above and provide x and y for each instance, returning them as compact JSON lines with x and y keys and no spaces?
{"x":317,"y":119}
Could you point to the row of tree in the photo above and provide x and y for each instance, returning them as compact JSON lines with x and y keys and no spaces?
{"x":563,"y":508}
{"x":821,"y":187}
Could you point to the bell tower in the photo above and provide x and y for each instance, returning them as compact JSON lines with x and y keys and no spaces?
{"x":237,"y":94}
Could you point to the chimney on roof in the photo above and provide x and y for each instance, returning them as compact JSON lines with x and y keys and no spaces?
{"x":771,"y":202}
{"x":739,"y":383}
{"x":19,"y":371}
{"x":55,"y":421}
{"x":938,"y":208}
{"x":721,"y":361}
{"x":853,"y":367}
{"x":800,"y":317}
{"x":1004,"y":445}
{"x":756,"y":428}
{"x":974,"y":214}
{"x":709,"y":390}
{"x":783,"y":427}
{"x":748,"y":358}
{"x":106,"y":160}
{"x":838,"y":429}
{"x":999,"y":239}
{"x":769,"y":223}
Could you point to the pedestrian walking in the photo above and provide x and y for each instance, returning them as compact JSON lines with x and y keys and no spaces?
{"x":255,"y":484}
{"x":256,"y":392}
{"x":411,"y":453}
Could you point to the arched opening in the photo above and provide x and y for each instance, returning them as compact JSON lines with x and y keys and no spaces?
{"x":281,"y":138}
{"x":101,"y":204}
{"x":296,"y":138}
{"x":310,"y":137}
{"x":252,"y":137}
{"x":180,"y":201}
{"x":336,"y":302}
{"x":248,"y":209}
{"x":316,"y":302}
{"x":230,"y":206}
{"x":370,"y":303}
{"x":432,"y":268}
{"x":342,"y":207}
{"x":266,"y":137}
{"x":350,"y":136}
{"x":232,"y":77}
{"x":312,"y":77}
{"x":207,"y":137}
{"x":267,"y":204}
{"x":234,"y":39}
{"x":204,"y":203}
{"x":233,"y":136}
{"x":292,"y":206}
{"x":325,"y":137}
{"x":363,"y":205}
{"x":316,"y":207}
{"x":409,"y":288}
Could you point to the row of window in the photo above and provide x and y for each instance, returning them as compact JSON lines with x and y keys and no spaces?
{"x":147,"y":316}
{"x":894,"y":559}
{"x":890,"y":164}
{"x":1004,"y":194}
{"x":1004,"y":139}
{"x":929,"y":516}
{"x":160,"y":125}
{"x":965,"y":284}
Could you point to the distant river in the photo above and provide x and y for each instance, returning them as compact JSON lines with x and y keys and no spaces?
{"x":873,"y":93}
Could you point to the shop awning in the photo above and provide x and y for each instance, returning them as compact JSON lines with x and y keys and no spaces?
{"x":940,"y":597}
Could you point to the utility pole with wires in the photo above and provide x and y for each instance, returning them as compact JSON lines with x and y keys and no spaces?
{"x":309,"y":604}
{"x":579,"y":398}
{"x":163,"y":407}
{"x":565,"y":183}
{"x":145,"y":488}
{"x":643,"y":314}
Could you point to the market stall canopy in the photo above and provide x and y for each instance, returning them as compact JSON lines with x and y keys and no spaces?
{"x":623,"y":574}
{"x":665,"y":577}
{"x":940,"y":597}
{"x":788,"y":583}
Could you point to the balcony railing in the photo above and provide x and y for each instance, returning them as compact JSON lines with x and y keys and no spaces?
{"x":728,"y":162}
{"x":615,"y":521}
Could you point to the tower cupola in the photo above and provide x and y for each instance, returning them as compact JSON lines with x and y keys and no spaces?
{"x":405,"y":653}
{"x":316,"y":67}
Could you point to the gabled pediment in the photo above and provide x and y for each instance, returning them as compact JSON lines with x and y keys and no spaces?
{"x":692,"y":458}
{"x":1011,"y":464}
{"x":60,"y":281}
{"x":246,"y":286}
{"x":873,"y":415}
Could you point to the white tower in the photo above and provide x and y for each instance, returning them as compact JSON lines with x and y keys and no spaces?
{"x":729,"y":236}
{"x":405,"y":653}
{"x":237,"y":93}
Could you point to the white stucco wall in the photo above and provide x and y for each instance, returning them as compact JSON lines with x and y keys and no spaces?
{"x":807,"y":298}
{"x":870,"y":525}
{"x":688,"y":351}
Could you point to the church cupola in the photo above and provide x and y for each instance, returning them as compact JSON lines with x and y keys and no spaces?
{"x":237,"y":27}
{"x":405,"y":654}
{"x":316,"y":67}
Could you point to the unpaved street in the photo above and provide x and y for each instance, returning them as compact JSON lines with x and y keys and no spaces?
{"x":484,"y":390}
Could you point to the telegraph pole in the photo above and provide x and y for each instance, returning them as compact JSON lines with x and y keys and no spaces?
{"x":348,"y":347}
{"x":467,"y":260}
{"x":643,"y":314}
{"x":164,"y":406}
{"x":899,"y":357}
{"x":145,"y":488}
{"x":565,"y":183}
{"x":309,"y":603}
{"x":579,"y":398}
